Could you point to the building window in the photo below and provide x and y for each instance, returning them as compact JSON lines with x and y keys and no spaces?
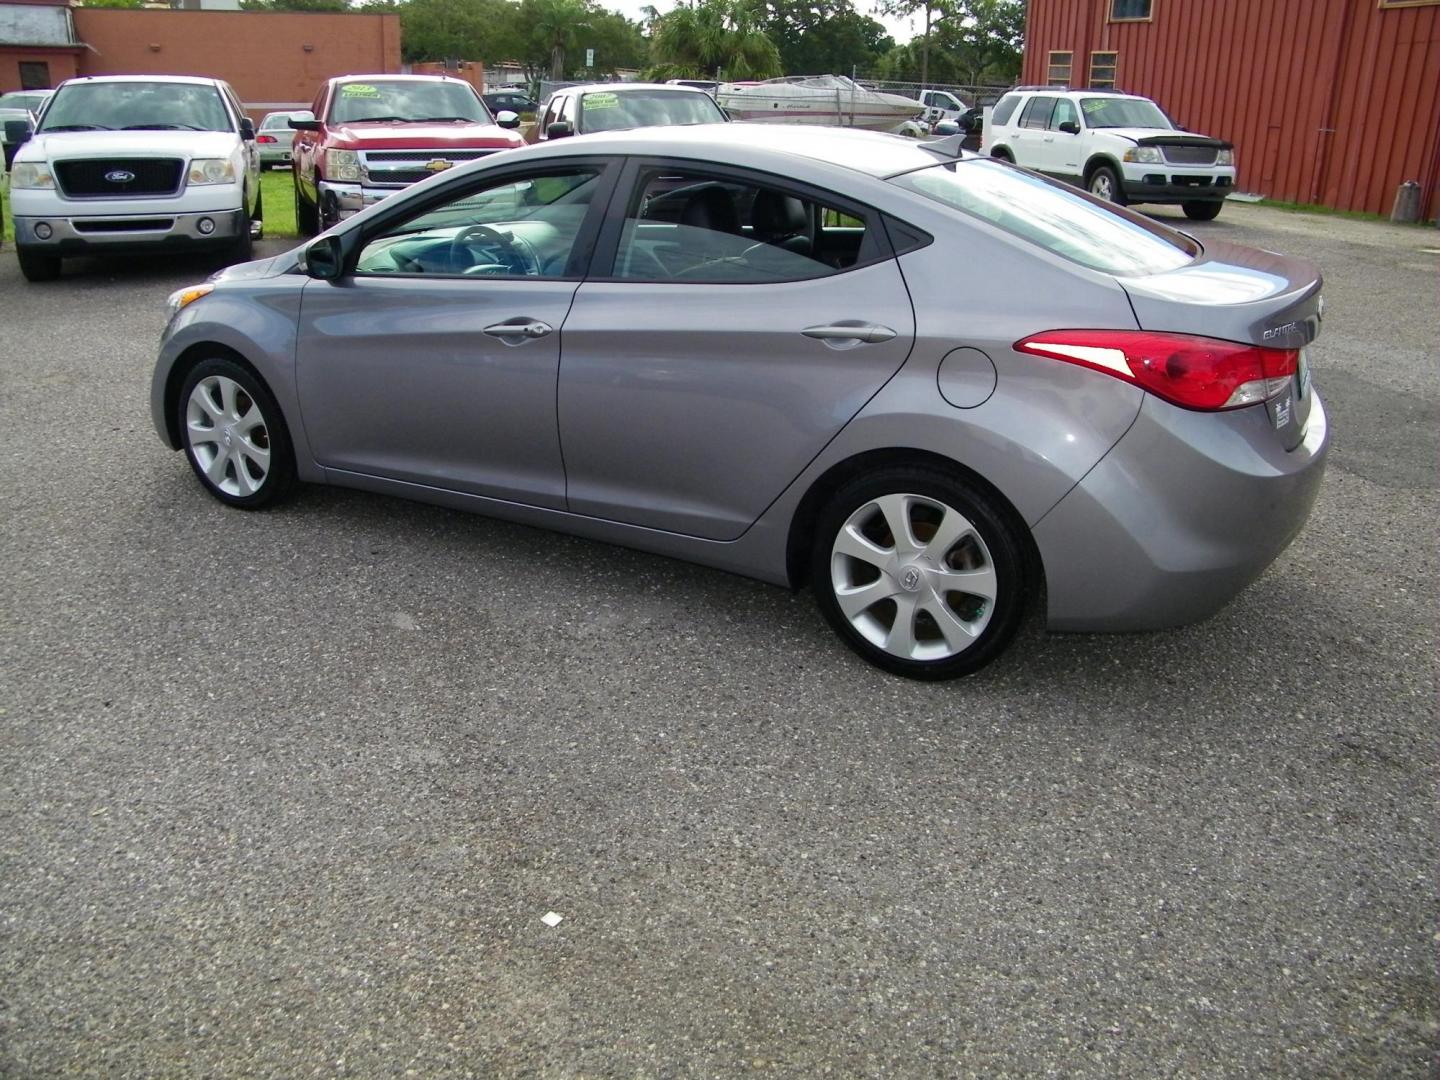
{"x":1058,"y":73}
{"x":1102,"y":70}
{"x":34,"y":75}
{"x":1408,"y":3}
{"x":1126,"y":10}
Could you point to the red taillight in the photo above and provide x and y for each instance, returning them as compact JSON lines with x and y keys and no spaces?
{"x":265,"y":138}
{"x":1193,"y":372}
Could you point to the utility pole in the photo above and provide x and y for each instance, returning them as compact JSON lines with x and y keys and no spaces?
{"x":925,"y":49}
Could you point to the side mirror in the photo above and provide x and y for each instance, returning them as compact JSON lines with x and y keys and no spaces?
{"x":247,"y":128}
{"x":507,"y":119}
{"x":305,"y":121}
{"x":17,"y":131}
{"x":945,"y":128}
{"x":1070,"y":127}
{"x":559,"y":129}
{"x":325,"y":259}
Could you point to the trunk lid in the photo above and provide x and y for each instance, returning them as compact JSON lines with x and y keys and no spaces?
{"x":1241,"y":294}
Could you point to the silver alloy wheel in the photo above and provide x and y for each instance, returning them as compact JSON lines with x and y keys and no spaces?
{"x":227,"y":436}
{"x":1101,"y":187}
{"x":913,"y":577}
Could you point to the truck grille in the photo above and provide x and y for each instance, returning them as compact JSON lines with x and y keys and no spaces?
{"x":1189,"y":155}
{"x":401,"y":167}
{"x":119,"y":177}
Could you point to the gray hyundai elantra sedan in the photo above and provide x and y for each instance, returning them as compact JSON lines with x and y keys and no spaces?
{"x":931,"y":386}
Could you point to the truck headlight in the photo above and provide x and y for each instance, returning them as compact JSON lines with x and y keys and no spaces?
{"x":212,"y":171}
{"x":31,"y":174}
{"x":342,"y":165}
{"x":1144,"y":155}
{"x":1225,"y":157}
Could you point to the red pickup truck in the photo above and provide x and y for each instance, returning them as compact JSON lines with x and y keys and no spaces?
{"x":369,"y":136}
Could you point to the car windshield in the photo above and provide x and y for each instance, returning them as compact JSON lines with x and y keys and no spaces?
{"x":1054,"y":216}
{"x":382,"y":100}
{"x":1109,"y":112}
{"x":606,"y":110}
{"x":133,"y":106}
{"x":19,"y":99}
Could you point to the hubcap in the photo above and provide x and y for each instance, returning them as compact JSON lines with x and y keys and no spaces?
{"x":1100,"y":187}
{"x":913,"y":577}
{"x":227,"y":436}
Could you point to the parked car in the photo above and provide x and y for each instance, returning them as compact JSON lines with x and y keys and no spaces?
{"x":924,"y":386}
{"x":18,"y":106}
{"x":1120,"y":147}
{"x":581,"y":110}
{"x":369,"y":136}
{"x":942,"y":105}
{"x":135,"y":162}
{"x":274,"y":137}
{"x":499,"y":101}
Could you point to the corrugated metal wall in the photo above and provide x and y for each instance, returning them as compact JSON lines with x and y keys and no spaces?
{"x":1334,"y":102}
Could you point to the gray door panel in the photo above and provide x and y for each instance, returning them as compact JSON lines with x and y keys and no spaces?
{"x":398,"y":378}
{"x":690,"y":407}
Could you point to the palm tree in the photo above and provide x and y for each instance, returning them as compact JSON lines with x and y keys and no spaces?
{"x":556,"y":23}
{"x":715,"y":36}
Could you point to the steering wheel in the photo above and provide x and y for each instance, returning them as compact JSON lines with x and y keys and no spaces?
{"x":510,"y":259}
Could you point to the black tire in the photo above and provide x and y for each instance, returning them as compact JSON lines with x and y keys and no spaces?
{"x":1202,"y":209}
{"x":993,"y":542}
{"x":307,"y":221}
{"x":1001,"y":154}
{"x":1105,"y":179}
{"x":259,"y":215}
{"x":38,"y":265}
{"x":243,"y":248}
{"x":271,"y":435}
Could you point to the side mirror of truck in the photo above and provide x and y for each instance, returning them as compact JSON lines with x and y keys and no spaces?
{"x":1070,"y":127}
{"x":559,"y":129}
{"x":305,"y":121}
{"x":247,"y":128}
{"x":17,"y":132}
{"x":507,"y":119}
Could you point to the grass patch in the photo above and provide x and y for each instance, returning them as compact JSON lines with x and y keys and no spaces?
{"x":1327,"y":211}
{"x":277,"y":191}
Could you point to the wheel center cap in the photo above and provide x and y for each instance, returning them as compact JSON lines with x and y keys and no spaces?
{"x":229,"y":434}
{"x":911,"y":579}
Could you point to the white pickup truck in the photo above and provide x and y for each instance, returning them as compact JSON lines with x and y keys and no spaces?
{"x":131,"y":163}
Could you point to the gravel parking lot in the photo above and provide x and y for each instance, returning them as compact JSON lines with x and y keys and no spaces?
{"x":287,"y":794}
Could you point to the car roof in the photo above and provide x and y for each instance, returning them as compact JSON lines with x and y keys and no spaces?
{"x":630,"y":87}
{"x":874,"y":153}
{"x":193,"y":80}
{"x":379,"y":76}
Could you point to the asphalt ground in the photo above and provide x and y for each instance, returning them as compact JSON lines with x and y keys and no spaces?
{"x":288,"y":794}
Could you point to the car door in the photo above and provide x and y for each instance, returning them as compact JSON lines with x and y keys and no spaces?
{"x":433,"y":360}
{"x":1060,"y":150}
{"x":1027,"y":141}
{"x":732,"y":325}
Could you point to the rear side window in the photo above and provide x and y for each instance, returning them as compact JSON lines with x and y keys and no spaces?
{"x":1054,"y":216}
{"x":1037,"y":113}
{"x":1004,"y":109}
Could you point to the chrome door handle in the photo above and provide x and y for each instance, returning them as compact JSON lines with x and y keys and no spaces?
{"x":868,"y":333}
{"x":519,"y":328}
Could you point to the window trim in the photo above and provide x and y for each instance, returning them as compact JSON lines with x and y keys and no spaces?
{"x":582,"y":252}
{"x":1114,"y":66}
{"x":627,"y":190}
{"x":1111,"y":16}
{"x":1051,"y":65}
{"x":1386,"y":5}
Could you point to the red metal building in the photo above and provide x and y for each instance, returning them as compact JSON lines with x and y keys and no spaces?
{"x":1335,"y":102}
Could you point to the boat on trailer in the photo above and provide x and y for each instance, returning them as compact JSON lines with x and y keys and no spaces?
{"x":827,"y":100}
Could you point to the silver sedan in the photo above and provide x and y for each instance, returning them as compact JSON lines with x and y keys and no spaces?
{"x":274,"y":138}
{"x":932,"y":387}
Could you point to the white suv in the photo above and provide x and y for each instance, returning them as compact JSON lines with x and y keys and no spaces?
{"x":122,"y":163}
{"x":1119,"y":147}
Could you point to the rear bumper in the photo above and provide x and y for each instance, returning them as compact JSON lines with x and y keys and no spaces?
{"x":114,"y":233}
{"x":1181,"y":515}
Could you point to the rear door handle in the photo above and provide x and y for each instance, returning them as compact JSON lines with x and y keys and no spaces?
{"x":868,"y":333}
{"x":520,"y":330}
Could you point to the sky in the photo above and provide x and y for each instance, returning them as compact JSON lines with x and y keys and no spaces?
{"x":902,"y":30}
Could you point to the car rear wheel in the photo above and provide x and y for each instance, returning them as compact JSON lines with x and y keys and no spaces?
{"x":38,"y":265}
{"x":919,"y":572}
{"x":1202,"y":209}
{"x":234,"y":435}
{"x":1001,"y":154}
{"x":1105,"y":185}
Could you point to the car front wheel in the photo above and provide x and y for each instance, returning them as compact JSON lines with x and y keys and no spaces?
{"x":919,"y":572}
{"x":234,"y":435}
{"x":1105,"y":185}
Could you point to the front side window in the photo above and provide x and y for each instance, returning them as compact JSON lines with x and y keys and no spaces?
{"x":1118,"y":112}
{"x":685,"y":226}
{"x":605,"y":110}
{"x":512,"y":228}
{"x":1054,"y":217}
{"x":380,"y":100}
{"x":136,"y":106}
{"x":1064,"y":113}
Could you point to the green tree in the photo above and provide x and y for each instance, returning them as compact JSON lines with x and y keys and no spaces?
{"x":618,"y":42}
{"x":464,"y":29}
{"x":112,"y":3}
{"x":555,"y":26}
{"x":294,"y":5}
{"x":986,"y":35}
{"x":821,"y":36}
{"x":714,"y":38}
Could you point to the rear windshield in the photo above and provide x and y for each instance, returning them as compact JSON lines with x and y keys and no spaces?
{"x":136,"y":106}
{"x":1054,"y":216}
{"x":1109,"y":112}
{"x":606,"y":110}
{"x":276,"y":120}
